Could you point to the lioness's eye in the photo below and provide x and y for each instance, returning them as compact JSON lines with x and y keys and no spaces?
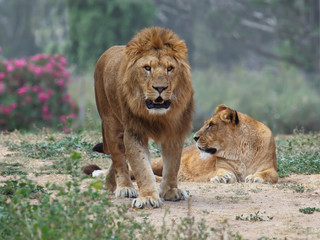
{"x":147,"y":67}
{"x":169,"y":69}
{"x":211,"y":124}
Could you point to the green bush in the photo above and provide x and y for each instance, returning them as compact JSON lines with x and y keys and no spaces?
{"x":33,"y":91}
{"x":280,"y":97}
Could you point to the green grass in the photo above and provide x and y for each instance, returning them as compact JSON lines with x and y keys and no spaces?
{"x":309,"y":210}
{"x":51,"y":148}
{"x":256,"y":217}
{"x":32,"y":211}
{"x":11,"y":169}
{"x":298,"y":154}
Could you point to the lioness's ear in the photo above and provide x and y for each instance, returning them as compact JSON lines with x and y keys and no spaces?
{"x":220,"y":108}
{"x":230,"y":116}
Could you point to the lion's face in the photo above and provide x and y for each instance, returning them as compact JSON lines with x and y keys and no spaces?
{"x":218,"y":133}
{"x":157,"y":78}
{"x":157,"y":81}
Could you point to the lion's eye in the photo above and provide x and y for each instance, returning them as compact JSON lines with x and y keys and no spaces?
{"x":147,"y":67}
{"x":169,"y":69}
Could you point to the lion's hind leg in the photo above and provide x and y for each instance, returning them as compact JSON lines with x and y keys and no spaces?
{"x":118,"y":177}
{"x":269,"y":175}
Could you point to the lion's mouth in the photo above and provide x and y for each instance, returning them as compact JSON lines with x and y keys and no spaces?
{"x":208,"y":150}
{"x":158,"y":103}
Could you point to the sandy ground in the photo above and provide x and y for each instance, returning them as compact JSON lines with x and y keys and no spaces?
{"x":278,"y":205}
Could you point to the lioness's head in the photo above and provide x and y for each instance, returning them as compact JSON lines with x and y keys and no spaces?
{"x":218,"y":133}
{"x":157,"y":72}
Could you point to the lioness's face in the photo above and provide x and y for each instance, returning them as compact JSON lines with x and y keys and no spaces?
{"x":157,"y":81}
{"x":217,"y":133}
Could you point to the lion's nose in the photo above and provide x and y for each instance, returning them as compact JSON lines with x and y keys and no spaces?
{"x":159,"y":89}
{"x":196,"y":138}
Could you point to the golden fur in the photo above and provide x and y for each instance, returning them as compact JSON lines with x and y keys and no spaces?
{"x":230,"y":147}
{"x":144,"y":90}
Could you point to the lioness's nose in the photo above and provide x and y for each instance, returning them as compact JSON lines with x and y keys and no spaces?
{"x":159,"y":89}
{"x":196,"y":138}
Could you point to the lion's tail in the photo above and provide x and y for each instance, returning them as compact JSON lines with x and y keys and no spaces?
{"x":98,"y":148}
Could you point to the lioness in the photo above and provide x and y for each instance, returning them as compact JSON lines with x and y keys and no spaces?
{"x":230,"y":147}
{"x":143,"y":90}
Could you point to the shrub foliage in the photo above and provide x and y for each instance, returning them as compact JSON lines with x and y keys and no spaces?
{"x":33,"y":91}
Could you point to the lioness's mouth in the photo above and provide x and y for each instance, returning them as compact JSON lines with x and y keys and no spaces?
{"x":208,"y":150}
{"x":158,"y":103}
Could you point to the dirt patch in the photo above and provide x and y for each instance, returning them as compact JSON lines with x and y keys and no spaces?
{"x":251,"y":210}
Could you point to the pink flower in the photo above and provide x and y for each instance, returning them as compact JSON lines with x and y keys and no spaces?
{"x":63,"y":118}
{"x":7,"y":109}
{"x":20,"y":63}
{"x":61,"y":83}
{"x":46,"y":117}
{"x":35,"y":88}
{"x":48,"y":67}
{"x":45,"y":109}
{"x":57,"y":74}
{"x":37,"y":70}
{"x":27,"y":99}
{"x":43,"y":96}
{"x":23,"y":90}
{"x":72,"y":115}
{"x":66,"y":98}
{"x":9,"y":68}
{"x":2,"y":75}
{"x":63,"y":61}
{"x":65,"y":74}
{"x":38,"y":57}
{"x":72,"y":104}
{"x":13,"y":106}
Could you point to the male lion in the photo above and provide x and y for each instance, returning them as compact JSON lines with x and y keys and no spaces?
{"x":230,"y":147}
{"x":143,"y":90}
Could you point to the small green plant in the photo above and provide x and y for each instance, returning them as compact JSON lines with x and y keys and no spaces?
{"x":299,"y":154}
{"x":253,"y":217}
{"x":51,"y":148}
{"x":309,"y":210}
{"x":11,"y":169}
{"x":299,"y":188}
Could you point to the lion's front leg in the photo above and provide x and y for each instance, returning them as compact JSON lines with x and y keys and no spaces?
{"x":138,"y":156}
{"x":171,"y":155}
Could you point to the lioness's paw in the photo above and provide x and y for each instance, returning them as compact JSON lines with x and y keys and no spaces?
{"x":226,"y":178}
{"x":253,"y":179}
{"x":175,"y":194}
{"x":148,"y":201}
{"x":126,"y":192}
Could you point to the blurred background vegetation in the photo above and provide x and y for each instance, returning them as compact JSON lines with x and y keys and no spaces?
{"x":260,"y":57}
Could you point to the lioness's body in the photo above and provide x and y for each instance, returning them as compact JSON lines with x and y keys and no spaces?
{"x":235,"y":147}
{"x":143,"y":90}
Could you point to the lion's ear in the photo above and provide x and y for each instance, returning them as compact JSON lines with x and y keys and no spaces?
{"x":221,"y":108}
{"x":230,"y":116}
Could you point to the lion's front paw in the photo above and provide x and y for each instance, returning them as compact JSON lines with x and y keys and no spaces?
{"x":227,"y":177}
{"x":175,"y":194}
{"x":253,"y":179}
{"x":147,"y":201}
{"x":129,"y":192}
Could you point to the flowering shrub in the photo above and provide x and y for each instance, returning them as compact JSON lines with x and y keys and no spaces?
{"x":33,"y":91}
